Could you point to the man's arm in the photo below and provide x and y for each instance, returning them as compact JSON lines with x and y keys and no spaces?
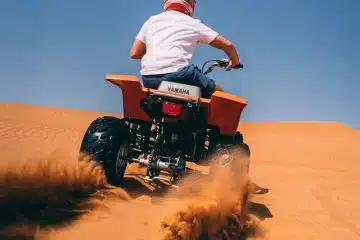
{"x":222,"y":43}
{"x":138,"y":49}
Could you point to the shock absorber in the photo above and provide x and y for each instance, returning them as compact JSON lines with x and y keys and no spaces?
{"x":150,"y":167}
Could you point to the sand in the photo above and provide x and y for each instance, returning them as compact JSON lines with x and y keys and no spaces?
{"x":311,"y":171}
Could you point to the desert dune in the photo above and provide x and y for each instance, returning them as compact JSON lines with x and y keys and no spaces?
{"x":311,"y":171}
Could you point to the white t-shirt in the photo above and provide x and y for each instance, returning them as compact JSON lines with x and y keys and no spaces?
{"x":171,"y":38}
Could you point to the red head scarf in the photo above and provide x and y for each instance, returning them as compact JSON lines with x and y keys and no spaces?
{"x":184,"y":6}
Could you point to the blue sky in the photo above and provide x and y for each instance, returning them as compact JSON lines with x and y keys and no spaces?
{"x":301,"y":58}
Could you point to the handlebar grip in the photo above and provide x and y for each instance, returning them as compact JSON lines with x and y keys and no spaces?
{"x":239,"y":66}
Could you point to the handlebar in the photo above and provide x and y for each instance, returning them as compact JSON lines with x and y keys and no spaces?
{"x":221,"y":63}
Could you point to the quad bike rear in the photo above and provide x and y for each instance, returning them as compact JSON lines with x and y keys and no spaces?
{"x":163,"y":129}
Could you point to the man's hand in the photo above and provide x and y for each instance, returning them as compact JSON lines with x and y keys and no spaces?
{"x":232,"y":65}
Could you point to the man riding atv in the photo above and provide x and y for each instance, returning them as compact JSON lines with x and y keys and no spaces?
{"x":166,"y":43}
{"x":179,"y":115}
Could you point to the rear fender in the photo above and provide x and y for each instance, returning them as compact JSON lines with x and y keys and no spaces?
{"x":132,"y":92}
{"x":225,"y":111}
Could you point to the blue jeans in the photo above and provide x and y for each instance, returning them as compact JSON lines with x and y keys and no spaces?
{"x":190,"y":75}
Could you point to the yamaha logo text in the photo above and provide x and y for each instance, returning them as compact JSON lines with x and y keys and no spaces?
{"x":179,"y":90}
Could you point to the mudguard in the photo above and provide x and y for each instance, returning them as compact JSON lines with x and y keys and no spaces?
{"x":222,"y":110}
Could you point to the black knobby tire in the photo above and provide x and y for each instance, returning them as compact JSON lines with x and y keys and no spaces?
{"x":232,"y":155}
{"x":234,"y":158}
{"x":106,"y":139}
{"x":198,"y":146}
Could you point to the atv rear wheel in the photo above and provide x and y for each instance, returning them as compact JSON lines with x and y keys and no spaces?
{"x":106,"y":139}
{"x":229,"y":166}
{"x":235,"y":156}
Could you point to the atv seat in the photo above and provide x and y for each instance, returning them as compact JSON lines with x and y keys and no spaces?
{"x":178,"y":91}
{"x":180,"y":88}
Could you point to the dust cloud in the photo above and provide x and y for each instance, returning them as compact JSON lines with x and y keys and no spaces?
{"x":52,"y":192}
{"x":49,"y":192}
{"x":216,"y":207}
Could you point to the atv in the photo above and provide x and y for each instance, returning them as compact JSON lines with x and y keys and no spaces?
{"x":163,"y":129}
